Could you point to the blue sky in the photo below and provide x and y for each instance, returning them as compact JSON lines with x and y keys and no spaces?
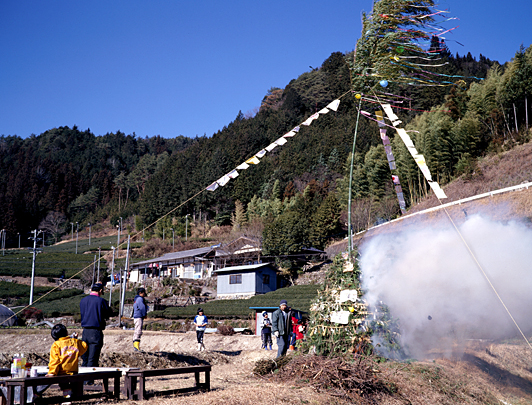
{"x":174,"y":68}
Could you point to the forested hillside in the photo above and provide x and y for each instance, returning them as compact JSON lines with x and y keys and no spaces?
{"x":299,"y":190}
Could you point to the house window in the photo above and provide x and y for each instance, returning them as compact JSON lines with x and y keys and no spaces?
{"x":235,"y":279}
{"x":266,"y":279}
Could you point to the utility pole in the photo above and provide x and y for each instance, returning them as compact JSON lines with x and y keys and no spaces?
{"x":173,"y":239}
{"x":18,"y":233}
{"x":118,"y":241}
{"x":99,"y":256}
{"x":112,"y":276}
{"x":93,"y":268}
{"x":35,"y":250}
{"x":77,"y":228}
{"x":3,"y":241}
{"x":124,"y":281}
{"x":90,"y":227}
{"x":186,"y":227}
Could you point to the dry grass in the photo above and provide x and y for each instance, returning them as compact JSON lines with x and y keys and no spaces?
{"x":495,"y":172}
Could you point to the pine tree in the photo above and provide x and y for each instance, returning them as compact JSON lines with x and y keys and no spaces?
{"x":238,"y":218}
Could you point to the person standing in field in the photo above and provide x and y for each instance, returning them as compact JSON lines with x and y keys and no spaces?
{"x":94,"y":313}
{"x":282,"y":327}
{"x":201,"y":321}
{"x":140,"y":310}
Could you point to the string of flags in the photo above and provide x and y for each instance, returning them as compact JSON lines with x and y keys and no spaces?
{"x":255,"y":159}
{"x":418,"y":158}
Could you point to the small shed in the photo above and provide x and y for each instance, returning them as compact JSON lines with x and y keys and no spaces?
{"x":246,"y":281}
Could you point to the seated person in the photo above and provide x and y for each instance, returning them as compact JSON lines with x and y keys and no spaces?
{"x":64,"y":356}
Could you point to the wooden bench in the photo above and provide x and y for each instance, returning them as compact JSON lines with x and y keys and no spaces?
{"x":75,"y":380}
{"x":132,"y":376}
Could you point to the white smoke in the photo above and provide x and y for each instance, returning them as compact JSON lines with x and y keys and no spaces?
{"x":431,"y":283}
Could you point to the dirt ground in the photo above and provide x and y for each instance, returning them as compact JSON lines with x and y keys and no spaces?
{"x":487,"y":373}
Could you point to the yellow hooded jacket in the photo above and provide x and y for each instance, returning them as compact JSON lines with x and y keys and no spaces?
{"x":64,"y":356}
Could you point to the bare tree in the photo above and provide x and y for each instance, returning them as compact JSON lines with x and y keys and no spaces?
{"x":53,"y":223}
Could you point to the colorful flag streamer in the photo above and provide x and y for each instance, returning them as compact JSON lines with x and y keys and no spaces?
{"x":242,"y":166}
{"x":333,"y":105}
{"x":281,"y":141}
{"x":419,"y":159}
{"x":253,"y":161}
{"x":213,"y":186}
{"x":271,"y":147}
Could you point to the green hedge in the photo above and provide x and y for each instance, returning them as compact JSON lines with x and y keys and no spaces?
{"x":47,"y":264}
{"x":299,"y":297}
{"x":70,"y":305}
{"x":83,"y":245}
{"x":14,"y":290}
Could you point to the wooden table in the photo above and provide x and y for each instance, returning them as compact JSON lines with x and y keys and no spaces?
{"x":76,"y":381}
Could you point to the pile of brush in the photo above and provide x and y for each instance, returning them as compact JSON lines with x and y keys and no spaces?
{"x":356,"y":380}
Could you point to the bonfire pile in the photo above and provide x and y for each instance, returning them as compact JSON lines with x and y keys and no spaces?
{"x":355,"y":380}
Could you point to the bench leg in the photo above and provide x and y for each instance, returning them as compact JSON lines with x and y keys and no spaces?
{"x":131,"y":387}
{"x":10,"y":395}
{"x":105,"y":383}
{"x":23,"y":392}
{"x":142,"y":389}
{"x":197,"y":377}
{"x":77,"y":389}
{"x":116,"y":388}
{"x":208,"y":380}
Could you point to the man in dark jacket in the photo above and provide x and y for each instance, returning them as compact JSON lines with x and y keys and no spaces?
{"x":140,"y":309}
{"x":281,"y":327}
{"x":94,"y":312}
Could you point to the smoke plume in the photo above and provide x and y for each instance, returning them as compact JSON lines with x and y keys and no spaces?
{"x":431,"y":283}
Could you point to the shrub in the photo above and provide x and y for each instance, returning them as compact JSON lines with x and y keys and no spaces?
{"x":32,"y":313}
{"x":226,"y":330}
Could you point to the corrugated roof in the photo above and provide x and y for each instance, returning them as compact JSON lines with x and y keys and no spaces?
{"x":168,"y":257}
{"x":242,"y":268}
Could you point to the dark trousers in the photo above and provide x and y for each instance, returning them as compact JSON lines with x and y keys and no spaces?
{"x":199,"y":335}
{"x":292,"y":339}
{"x":266,"y":339}
{"x":94,"y":339}
{"x":282,"y":345}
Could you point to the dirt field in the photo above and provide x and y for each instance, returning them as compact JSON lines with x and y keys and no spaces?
{"x":487,"y":373}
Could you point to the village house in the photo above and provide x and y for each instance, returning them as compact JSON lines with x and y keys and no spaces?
{"x":246,"y":281}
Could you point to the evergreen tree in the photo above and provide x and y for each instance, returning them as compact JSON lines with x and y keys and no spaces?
{"x":238,"y":218}
{"x":326,"y":337}
{"x":326,"y":222}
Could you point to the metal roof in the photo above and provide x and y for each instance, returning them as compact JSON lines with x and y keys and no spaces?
{"x":168,"y":257}
{"x":242,"y":268}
